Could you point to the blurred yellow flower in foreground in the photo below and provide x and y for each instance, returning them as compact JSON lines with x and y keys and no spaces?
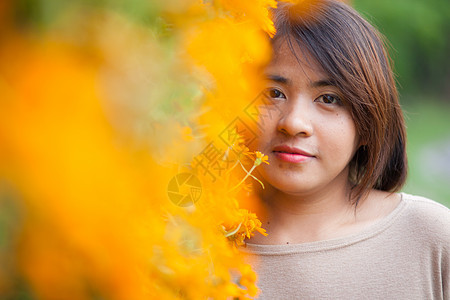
{"x":99,"y":111}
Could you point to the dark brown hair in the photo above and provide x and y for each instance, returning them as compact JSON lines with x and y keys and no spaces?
{"x":352,"y":52}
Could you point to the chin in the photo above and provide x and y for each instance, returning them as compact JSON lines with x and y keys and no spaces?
{"x":291,"y":188}
{"x":283,"y":182}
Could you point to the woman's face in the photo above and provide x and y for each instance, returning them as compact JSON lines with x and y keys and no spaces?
{"x":312,"y":139}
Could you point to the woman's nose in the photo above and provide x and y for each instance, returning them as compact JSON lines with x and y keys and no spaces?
{"x":296,"y":118}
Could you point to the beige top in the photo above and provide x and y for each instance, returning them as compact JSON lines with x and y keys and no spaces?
{"x":406,"y":255}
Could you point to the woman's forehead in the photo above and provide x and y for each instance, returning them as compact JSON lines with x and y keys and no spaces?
{"x":291,"y":56}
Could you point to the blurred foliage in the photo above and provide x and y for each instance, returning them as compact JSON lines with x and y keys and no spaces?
{"x":419,"y":33}
{"x":428,"y":148}
{"x":44,"y":13}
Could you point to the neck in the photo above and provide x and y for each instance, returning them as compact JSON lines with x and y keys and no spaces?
{"x":305,"y":218}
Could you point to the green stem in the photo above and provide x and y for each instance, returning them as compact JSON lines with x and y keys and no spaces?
{"x":234,"y":231}
{"x":235,"y":164}
{"x":262,"y":184}
{"x":243,"y":179}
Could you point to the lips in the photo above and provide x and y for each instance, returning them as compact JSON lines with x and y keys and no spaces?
{"x":291,"y":150}
{"x":292,"y":154}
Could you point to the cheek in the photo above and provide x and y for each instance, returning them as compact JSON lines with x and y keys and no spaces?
{"x":265,"y":132}
{"x":349,"y":135}
{"x":262,"y":142}
{"x":339,"y":135}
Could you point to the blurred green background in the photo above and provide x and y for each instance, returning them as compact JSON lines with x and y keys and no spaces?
{"x":418,"y":33}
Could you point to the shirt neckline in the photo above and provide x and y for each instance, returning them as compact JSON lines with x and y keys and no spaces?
{"x":367,"y":233}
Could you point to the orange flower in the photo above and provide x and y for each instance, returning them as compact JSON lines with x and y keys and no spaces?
{"x":257,"y":11}
{"x":246,"y":228}
{"x":98,"y":116}
{"x":248,"y":279}
{"x":261,"y":158}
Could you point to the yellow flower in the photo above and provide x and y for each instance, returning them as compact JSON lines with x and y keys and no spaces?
{"x":257,"y":11}
{"x":248,"y":279}
{"x":92,"y":170}
{"x":246,"y":229}
{"x":187,"y":134}
{"x":261,"y":158}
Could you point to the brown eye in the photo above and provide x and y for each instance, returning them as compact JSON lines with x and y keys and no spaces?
{"x":329,"y":99}
{"x":275,"y":93}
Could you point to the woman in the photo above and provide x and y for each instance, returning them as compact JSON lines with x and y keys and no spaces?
{"x":337,"y":228}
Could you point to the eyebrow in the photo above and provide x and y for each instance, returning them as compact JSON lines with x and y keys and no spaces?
{"x":315,"y":84}
{"x":324,"y":82}
{"x":278,"y":78}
